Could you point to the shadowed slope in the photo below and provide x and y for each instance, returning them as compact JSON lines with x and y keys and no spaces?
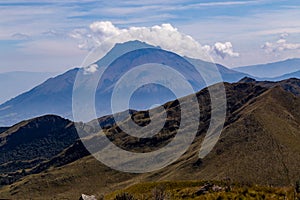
{"x":259,"y":144}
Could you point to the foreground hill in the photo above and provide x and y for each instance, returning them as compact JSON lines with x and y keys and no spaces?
{"x":33,"y":141}
{"x":202,"y":190}
{"x":290,"y":85}
{"x":260,"y":144}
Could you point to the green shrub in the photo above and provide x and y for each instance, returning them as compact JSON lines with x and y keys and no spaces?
{"x":159,"y":193}
{"x":297,"y":186}
{"x":124,"y":196}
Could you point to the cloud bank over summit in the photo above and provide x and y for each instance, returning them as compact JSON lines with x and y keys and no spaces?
{"x":166,"y":36}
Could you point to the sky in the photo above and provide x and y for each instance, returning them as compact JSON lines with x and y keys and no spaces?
{"x":56,"y":35}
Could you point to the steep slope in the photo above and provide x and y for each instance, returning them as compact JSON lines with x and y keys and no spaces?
{"x":2,"y":129}
{"x":259,"y":144}
{"x":13,"y":84}
{"x":207,"y":68}
{"x":262,"y":145}
{"x":271,"y":70}
{"x":55,"y":95}
{"x":31,"y":142}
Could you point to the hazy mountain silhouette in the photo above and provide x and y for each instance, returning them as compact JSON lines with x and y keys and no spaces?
{"x":13,"y":84}
{"x":286,"y":76}
{"x":54,"y":96}
{"x":272,"y":70}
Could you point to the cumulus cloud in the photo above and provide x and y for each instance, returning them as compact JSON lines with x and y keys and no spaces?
{"x":104,"y":29}
{"x":166,"y":36}
{"x":279,"y":46}
{"x":224,"y":49}
{"x":91,"y":69}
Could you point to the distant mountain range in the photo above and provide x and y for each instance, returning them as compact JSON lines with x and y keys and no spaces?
{"x":55,"y":95}
{"x":271,"y":70}
{"x":285,"y":76}
{"x":14,"y":83}
{"x":42,"y":158}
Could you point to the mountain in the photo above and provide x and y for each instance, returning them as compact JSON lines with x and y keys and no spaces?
{"x":264,"y":134}
{"x":34,"y":141}
{"x":207,"y":68}
{"x":290,"y":85}
{"x":2,"y":129}
{"x":14,"y":83}
{"x":51,"y":97}
{"x":259,"y":144}
{"x":271,"y":70}
{"x":54,"y":96}
{"x":286,"y":76}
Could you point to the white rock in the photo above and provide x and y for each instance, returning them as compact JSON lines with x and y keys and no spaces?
{"x":87,"y":197}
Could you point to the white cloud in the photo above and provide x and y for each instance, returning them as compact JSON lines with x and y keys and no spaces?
{"x":20,"y":36}
{"x":104,"y":28}
{"x":224,"y":49}
{"x":280,"y":46}
{"x":156,"y":6}
{"x":217,"y":4}
{"x":284,"y":35}
{"x":91,"y":69}
{"x":166,"y":36}
{"x":248,"y":33}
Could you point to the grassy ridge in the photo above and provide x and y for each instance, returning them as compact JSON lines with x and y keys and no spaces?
{"x":192,"y":190}
{"x":259,"y":144}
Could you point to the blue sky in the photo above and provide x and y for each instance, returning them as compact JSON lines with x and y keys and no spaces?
{"x":35,"y":36}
